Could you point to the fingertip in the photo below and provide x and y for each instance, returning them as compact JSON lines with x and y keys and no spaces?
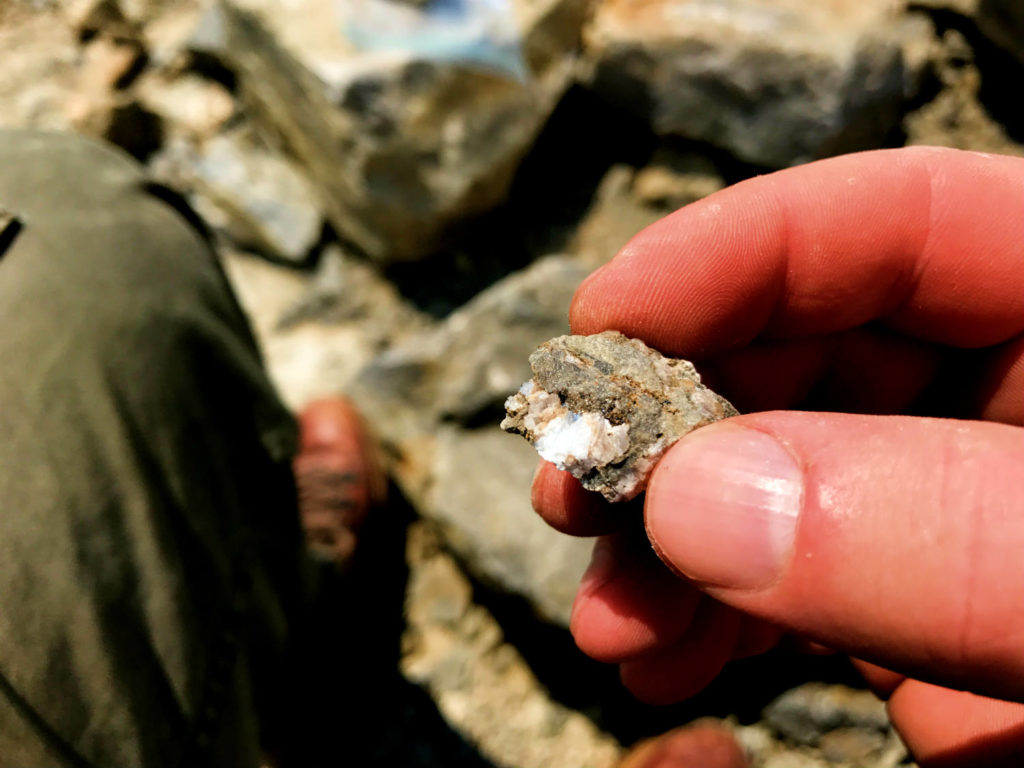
{"x":629,"y":604}
{"x":688,"y":667}
{"x":815,"y":522}
{"x":722,"y":506}
{"x":701,"y":744}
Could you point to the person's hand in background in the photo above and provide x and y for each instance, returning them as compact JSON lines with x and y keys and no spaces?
{"x":881,"y":283}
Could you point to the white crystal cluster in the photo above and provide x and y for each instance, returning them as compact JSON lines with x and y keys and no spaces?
{"x":576,"y":442}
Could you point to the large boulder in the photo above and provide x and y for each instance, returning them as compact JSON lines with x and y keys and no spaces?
{"x":775,"y":82}
{"x":400,"y":146}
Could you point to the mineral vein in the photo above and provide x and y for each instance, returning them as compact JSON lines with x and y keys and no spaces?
{"x":606,"y":407}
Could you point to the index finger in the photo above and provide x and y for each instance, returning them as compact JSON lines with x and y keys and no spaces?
{"x":929,"y":241}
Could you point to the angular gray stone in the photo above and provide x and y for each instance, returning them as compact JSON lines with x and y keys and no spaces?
{"x":432,"y":400}
{"x":777,"y":82}
{"x":400,"y":149}
{"x":480,"y":497}
{"x":606,"y":408}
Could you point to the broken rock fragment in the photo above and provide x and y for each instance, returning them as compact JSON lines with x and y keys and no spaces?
{"x":606,"y":407}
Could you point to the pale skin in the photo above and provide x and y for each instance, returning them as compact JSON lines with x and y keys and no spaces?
{"x":876,"y":284}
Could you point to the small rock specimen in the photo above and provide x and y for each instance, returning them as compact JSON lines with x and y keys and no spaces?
{"x":606,"y":407}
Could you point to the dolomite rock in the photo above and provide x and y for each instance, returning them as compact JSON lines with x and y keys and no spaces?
{"x":606,"y":407}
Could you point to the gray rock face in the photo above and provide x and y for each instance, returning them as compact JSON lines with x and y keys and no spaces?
{"x":401,"y":148}
{"x":606,"y":408}
{"x":260,"y":198}
{"x":775,"y":82}
{"x":432,"y":399}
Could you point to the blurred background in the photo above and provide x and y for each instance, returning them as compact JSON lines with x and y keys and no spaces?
{"x":405,"y":194}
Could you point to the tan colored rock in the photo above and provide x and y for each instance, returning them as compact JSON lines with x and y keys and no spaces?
{"x":777,"y":82}
{"x":605,"y":408}
{"x":434,"y":399}
{"x":483,"y":686}
{"x":109,"y":63}
{"x":89,"y":18}
{"x":40,"y":56}
{"x":309,"y":30}
{"x":193,"y":107}
{"x":318,"y":331}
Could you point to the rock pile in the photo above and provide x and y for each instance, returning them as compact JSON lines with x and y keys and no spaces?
{"x":407,"y":219}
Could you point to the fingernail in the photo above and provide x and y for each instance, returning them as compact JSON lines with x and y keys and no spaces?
{"x":723,"y":505}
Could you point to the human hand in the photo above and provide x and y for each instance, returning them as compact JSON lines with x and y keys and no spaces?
{"x":879,"y":283}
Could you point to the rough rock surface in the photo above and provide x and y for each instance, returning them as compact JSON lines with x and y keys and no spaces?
{"x":317,"y":331}
{"x":434,"y":398}
{"x":192,"y":107}
{"x":606,"y":407}
{"x":775,"y":82}
{"x":400,"y":148}
{"x":483,"y":686}
{"x":40,"y":58}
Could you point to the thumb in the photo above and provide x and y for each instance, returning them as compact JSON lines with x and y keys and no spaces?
{"x":899,"y":540}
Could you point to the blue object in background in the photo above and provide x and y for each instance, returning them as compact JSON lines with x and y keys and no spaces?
{"x":477,"y":32}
